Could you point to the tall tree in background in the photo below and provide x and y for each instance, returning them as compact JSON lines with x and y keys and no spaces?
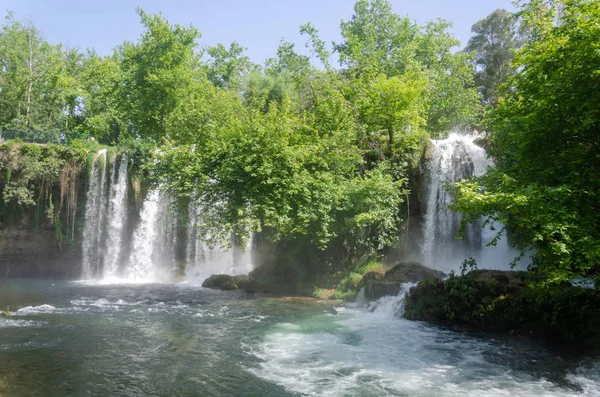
{"x":158,"y":73}
{"x":102,"y":94}
{"x":376,"y":41}
{"x":22,"y":51}
{"x":40,"y":82}
{"x":227,"y":67}
{"x":496,"y":37}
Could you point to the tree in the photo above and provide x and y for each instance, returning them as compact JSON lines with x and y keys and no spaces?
{"x":378,"y":41}
{"x":546,"y":143}
{"x":102,"y":114}
{"x":495,"y":40}
{"x":23,"y":49}
{"x":393,"y":105}
{"x":39,"y":81}
{"x":227,"y":67}
{"x":158,"y":73}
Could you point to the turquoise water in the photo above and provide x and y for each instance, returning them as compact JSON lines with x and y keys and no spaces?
{"x":78,"y":339}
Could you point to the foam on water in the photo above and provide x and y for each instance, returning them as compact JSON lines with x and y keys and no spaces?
{"x":35,"y":310}
{"x":373,"y":352}
{"x":13,"y":323}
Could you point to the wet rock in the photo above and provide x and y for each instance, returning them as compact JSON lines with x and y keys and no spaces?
{"x":220,"y":281}
{"x":411,"y":272}
{"x":501,"y":301}
{"x":377,"y":285}
{"x":245,"y":283}
{"x":377,"y":289}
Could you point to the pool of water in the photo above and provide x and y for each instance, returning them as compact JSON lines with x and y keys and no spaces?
{"x":88,"y":339}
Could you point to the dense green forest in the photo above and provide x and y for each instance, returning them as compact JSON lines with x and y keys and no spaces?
{"x":316,"y":151}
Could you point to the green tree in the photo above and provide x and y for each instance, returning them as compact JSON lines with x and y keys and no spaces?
{"x":228,"y":67}
{"x":39,"y":82}
{"x":158,"y":73}
{"x":102,"y":114}
{"x":378,"y":41}
{"x":546,"y":143}
{"x":495,"y":40}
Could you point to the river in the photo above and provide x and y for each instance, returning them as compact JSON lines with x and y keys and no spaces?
{"x":94,"y":339}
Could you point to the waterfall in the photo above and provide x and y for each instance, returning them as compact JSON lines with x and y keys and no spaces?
{"x":153,"y":254}
{"x":140,"y":263}
{"x":203,"y":260}
{"x":95,"y":215}
{"x":117,"y":218}
{"x":452,"y":160}
{"x":153,"y":250}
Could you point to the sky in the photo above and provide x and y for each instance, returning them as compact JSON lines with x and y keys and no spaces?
{"x":258,"y":25}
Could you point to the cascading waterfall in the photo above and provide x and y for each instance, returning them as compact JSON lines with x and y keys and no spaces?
{"x":154,"y":241}
{"x":154,"y":251}
{"x":95,"y":213}
{"x":117,"y":218}
{"x":141,"y":260}
{"x":204,"y":260}
{"x":196,"y":251}
{"x":452,"y":160}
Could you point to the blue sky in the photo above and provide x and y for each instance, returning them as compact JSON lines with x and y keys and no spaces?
{"x":256,"y":24}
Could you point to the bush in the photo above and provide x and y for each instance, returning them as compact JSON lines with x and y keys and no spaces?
{"x":500,"y":301}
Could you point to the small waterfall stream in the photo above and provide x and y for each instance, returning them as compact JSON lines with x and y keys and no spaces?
{"x":204,"y":260}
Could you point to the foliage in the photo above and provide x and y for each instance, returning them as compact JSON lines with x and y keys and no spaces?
{"x":350,"y":283}
{"x":6,"y":313}
{"x":39,"y":81}
{"x":42,"y":179}
{"x":158,"y":73}
{"x":500,"y":301}
{"x":377,"y":41}
{"x":545,"y":141}
{"x":496,"y":38}
{"x":227,"y":67}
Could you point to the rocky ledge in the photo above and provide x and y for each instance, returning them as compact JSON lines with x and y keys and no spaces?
{"x":501,"y":301}
{"x":228,"y":283}
{"x":378,"y":284}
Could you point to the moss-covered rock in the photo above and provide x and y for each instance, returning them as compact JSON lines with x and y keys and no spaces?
{"x":377,"y":285}
{"x":501,"y":301}
{"x":411,"y":272}
{"x":220,"y":281}
{"x":245,"y":283}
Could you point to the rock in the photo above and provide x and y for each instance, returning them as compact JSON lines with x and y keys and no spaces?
{"x":372,"y":276}
{"x":508,"y":281}
{"x":501,"y":301}
{"x":376,"y":289}
{"x":411,"y":272}
{"x":220,"y":281}
{"x":245,"y":283}
{"x":377,"y":285}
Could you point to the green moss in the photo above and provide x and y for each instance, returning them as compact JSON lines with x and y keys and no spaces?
{"x":6,"y":313}
{"x":322,"y":293}
{"x":501,"y":301}
{"x":350,"y":283}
